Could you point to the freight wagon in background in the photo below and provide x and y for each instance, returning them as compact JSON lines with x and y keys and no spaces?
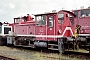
{"x":55,"y":31}
{"x":83,"y":28}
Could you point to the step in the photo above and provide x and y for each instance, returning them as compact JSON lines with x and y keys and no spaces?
{"x":26,"y":46}
{"x":52,"y":49}
{"x":29,"y":46}
{"x":18,"y":45}
{"x":53,"y":44}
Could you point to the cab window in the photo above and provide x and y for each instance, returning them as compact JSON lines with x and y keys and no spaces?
{"x":85,"y":12}
{"x":6,"y":30}
{"x":17,"y":20}
{"x":60,"y":18}
{"x":76,"y":13}
{"x":50,"y":21}
{"x":71,"y":18}
{"x":40,"y":20}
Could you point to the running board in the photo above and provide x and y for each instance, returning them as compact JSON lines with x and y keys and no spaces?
{"x":52,"y":44}
{"x":25,"y":46}
{"x":52,"y":49}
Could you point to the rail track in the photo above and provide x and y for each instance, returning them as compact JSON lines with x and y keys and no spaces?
{"x":79,"y":54}
{"x":5,"y":58}
{"x":42,"y":54}
{"x":70,"y":55}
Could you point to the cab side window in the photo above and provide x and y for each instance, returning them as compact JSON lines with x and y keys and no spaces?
{"x":76,"y":13}
{"x":85,"y":13}
{"x":50,"y":21}
{"x":17,"y":20}
{"x":60,"y":18}
{"x":40,"y":20}
{"x":71,"y":18}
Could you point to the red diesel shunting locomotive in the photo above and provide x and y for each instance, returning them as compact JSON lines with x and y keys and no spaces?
{"x":45,"y":31}
{"x":54,"y":31}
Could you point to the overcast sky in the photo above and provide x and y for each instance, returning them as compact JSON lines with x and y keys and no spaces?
{"x":14,"y":8}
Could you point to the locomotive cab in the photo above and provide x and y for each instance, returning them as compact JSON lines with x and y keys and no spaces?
{"x":4,"y":31}
{"x":53,"y":25}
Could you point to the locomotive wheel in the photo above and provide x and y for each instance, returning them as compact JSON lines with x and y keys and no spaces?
{"x":2,"y":41}
{"x":61,"y":45}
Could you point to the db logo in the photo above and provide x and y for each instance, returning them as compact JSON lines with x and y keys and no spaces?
{"x":60,"y":31}
{"x":41,"y":30}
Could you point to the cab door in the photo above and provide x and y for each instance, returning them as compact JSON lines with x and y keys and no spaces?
{"x":51,"y":26}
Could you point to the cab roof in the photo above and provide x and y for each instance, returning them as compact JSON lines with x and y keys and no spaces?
{"x":68,"y":12}
{"x":56,"y":13}
{"x":45,"y":13}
